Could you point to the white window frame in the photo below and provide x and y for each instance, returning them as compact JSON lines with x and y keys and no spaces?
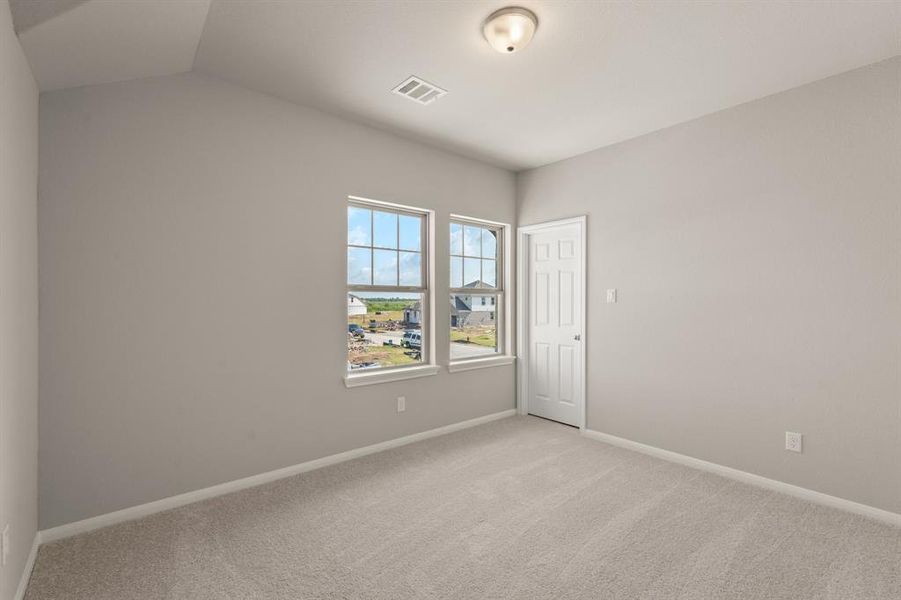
{"x":428,"y":365}
{"x":503,"y":292}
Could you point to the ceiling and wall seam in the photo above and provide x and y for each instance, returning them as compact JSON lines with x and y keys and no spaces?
{"x":338,"y":117}
{"x":206,"y":21}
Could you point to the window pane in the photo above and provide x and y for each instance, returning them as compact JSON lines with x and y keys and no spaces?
{"x":385,"y":266}
{"x":359,"y":226}
{"x":411,"y":268}
{"x":489,"y":243}
{"x":410,"y":233}
{"x":473,"y":326}
{"x":384,"y":229}
{"x":489,"y":273}
{"x":472,"y":276}
{"x":383,"y":330}
{"x":359,"y":266}
{"x":456,"y":271}
{"x":456,"y":239}
{"x":472,"y":241}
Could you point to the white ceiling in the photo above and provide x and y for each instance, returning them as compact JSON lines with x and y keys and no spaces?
{"x":99,"y":41}
{"x":28,"y":13}
{"x":596,"y":72}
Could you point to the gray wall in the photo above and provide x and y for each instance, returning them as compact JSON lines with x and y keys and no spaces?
{"x":192,"y":275}
{"x":18,"y":302}
{"x":756,"y":255}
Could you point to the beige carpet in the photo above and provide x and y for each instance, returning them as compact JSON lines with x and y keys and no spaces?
{"x":519,"y":508}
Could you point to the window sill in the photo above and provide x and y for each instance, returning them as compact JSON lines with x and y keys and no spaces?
{"x":480,"y":363}
{"x":387,"y":376}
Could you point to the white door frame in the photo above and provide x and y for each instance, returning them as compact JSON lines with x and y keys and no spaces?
{"x":522,"y":309}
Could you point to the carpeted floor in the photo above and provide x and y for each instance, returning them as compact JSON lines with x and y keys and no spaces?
{"x":519,"y":508}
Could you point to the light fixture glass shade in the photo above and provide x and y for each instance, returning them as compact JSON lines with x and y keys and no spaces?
{"x":510,"y":29}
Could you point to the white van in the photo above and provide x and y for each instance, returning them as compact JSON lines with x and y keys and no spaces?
{"x":412,"y":339}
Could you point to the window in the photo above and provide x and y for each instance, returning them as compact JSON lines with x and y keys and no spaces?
{"x":476,"y":289}
{"x":387,"y":286}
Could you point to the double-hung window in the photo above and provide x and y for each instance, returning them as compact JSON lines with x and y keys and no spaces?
{"x":387,"y":287}
{"x":476,"y":289}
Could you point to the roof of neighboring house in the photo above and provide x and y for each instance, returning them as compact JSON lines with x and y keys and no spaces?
{"x":478,"y":283}
{"x":458,"y":305}
{"x":352,"y":297}
{"x":416,"y":306}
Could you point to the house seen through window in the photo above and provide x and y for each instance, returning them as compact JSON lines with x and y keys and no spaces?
{"x":476,"y":286}
{"x":386,"y":287}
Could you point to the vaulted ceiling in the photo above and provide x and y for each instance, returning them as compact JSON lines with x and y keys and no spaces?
{"x":595,"y":74}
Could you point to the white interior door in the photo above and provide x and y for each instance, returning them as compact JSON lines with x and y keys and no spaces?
{"x":555,"y":323}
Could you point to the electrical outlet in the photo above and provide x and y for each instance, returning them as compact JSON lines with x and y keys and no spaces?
{"x":401,"y":403}
{"x":793,"y":441}
{"x":4,"y":542}
{"x":611,"y":296}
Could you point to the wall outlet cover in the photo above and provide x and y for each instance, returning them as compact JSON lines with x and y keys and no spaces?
{"x":793,"y":441}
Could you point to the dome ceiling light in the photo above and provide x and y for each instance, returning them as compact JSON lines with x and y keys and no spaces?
{"x":510,"y":29}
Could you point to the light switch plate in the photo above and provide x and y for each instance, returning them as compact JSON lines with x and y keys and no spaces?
{"x":401,"y":403}
{"x":611,"y":296}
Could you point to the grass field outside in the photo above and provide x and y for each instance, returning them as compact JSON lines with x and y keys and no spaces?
{"x":384,"y":356}
{"x":387,"y":305}
{"x":364,"y":320}
{"x":480,"y":336}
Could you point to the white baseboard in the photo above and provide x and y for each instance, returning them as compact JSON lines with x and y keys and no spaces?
{"x":143,"y":510}
{"x":29,"y":566}
{"x":863,"y":510}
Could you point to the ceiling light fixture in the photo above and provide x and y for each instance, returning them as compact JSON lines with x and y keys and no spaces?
{"x":510,"y":29}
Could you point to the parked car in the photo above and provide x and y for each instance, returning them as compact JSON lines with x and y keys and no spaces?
{"x":356,"y":331}
{"x":412,"y":339}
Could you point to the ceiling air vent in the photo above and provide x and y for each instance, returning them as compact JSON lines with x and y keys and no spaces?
{"x":418,"y":90}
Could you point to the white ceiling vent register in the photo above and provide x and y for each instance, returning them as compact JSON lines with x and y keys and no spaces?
{"x":419,"y":90}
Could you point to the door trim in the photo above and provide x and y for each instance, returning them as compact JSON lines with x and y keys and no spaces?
{"x":522,"y":310}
